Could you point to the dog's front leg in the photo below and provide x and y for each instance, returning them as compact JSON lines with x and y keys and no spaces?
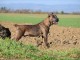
{"x":45,"y":36}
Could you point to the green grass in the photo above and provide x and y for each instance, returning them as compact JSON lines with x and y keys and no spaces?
{"x":10,"y":49}
{"x":69,"y":22}
{"x":65,"y":20}
{"x":21,"y":18}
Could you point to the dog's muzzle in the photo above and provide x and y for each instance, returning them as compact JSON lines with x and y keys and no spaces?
{"x":56,"y":21}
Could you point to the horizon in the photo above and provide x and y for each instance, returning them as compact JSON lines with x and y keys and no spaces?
{"x":51,"y":5}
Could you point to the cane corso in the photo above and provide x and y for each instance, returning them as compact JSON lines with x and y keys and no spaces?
{"x":40,"y":29}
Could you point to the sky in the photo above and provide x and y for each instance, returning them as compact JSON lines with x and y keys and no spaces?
{"x":46,"y":2}
{"x":66,"y":5}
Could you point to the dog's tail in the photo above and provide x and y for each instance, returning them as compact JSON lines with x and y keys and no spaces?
{"x":15,"y":25}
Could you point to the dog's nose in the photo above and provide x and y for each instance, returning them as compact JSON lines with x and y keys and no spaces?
{"x":57,"y":20}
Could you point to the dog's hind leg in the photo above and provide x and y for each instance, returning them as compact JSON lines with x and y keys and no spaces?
{"x":18,"y":35}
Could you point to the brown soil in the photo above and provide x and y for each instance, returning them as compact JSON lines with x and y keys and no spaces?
{"x":60,"y":38}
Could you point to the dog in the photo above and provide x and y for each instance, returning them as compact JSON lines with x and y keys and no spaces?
{"x":4,"y":32}
{"x":40,"y":29}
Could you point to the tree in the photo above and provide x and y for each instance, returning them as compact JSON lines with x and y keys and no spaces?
{"x":4,"y":10}
{"x":62,"y":12}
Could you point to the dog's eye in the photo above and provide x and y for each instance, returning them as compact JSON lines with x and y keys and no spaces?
{"x":49,"y":16}
{"x":53,"y":16}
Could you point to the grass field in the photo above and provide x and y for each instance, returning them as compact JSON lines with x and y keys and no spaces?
{"x":12,"y":50}
{"x":65,"y":20}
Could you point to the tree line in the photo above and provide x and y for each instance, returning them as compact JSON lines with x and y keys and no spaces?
{"x":28,"y":11}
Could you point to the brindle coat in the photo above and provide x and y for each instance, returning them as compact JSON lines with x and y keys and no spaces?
{"x":40,"y":29}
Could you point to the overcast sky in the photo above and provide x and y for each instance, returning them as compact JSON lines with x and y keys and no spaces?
{"x":46,"y":2}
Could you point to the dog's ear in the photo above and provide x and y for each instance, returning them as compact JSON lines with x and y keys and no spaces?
{"x":49,"y":14}
{"x":52,"y":13}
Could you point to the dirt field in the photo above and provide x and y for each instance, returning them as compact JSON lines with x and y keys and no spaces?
{"x":60,"y":38}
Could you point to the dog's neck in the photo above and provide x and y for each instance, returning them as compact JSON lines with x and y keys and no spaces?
{"x":46,"y":22}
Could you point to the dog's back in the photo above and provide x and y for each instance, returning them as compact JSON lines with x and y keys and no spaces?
{"x":28,"y":30}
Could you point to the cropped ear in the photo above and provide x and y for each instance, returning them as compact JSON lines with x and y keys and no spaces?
{"x":52,"y":13}
{"x":49,"y":14}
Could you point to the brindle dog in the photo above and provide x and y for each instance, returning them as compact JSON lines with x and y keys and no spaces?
{"x":40,"y":29}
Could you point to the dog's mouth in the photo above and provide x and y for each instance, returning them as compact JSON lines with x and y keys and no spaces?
{"x":56,"y":21}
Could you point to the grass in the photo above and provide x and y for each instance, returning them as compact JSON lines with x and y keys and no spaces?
{"x":10,"y":49}
{"x":65,"y":20}
{"x":69,"y":22}
{"x":21,"y":18}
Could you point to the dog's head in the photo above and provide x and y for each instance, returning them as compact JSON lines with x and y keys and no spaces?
{"x":53,"y":19}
